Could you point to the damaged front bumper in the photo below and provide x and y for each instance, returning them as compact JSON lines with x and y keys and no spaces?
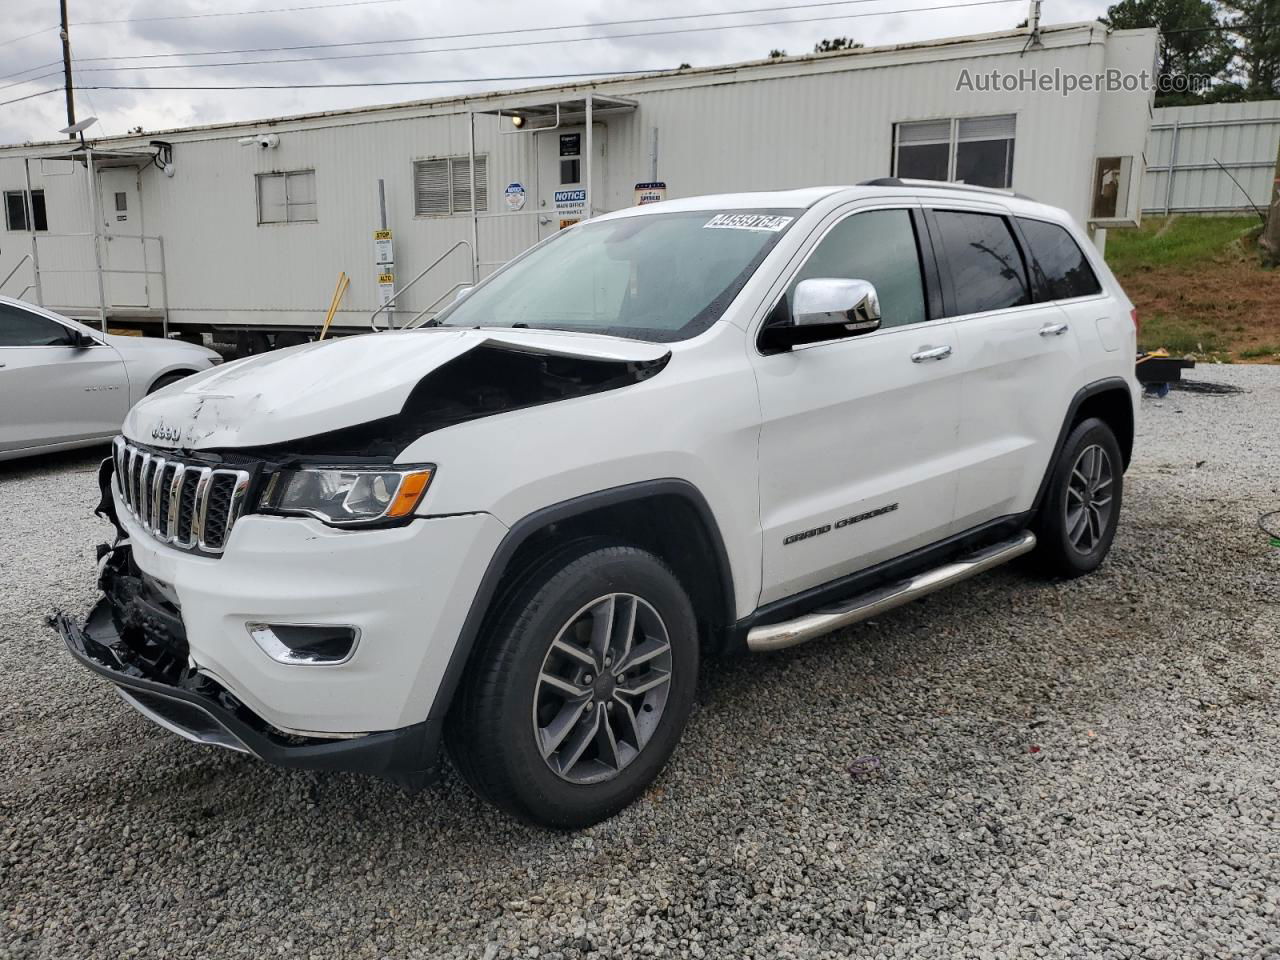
{"x":137,"y":642}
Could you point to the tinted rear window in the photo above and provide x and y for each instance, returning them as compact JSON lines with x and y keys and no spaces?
{"x":1062,"y":270}
{"x":986,"y":267}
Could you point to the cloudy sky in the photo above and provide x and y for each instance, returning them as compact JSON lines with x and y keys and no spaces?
{"x":148,"y":33}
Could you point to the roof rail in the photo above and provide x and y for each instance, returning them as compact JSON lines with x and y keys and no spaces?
{"x":939,"y":185}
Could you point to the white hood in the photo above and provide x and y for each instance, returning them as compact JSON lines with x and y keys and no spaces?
{"x":317,"y":387}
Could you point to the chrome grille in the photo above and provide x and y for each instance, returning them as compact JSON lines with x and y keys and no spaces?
{"x":189,"y":505}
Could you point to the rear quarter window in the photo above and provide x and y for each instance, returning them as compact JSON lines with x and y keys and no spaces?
{"x":1061,"y":268}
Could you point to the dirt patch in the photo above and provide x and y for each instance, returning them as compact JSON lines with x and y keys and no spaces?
{"x":1227,"y":308}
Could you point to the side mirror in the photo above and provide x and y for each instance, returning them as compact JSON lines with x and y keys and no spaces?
{"x":822,"y":308}
{"x":82,"y":341}
{"x":462,"y":293}
{"x":825,"y":301}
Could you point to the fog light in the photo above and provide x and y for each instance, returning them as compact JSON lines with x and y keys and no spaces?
{"x":293,"y":643}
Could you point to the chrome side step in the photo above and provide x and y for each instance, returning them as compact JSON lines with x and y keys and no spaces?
{"x":775,"y":636}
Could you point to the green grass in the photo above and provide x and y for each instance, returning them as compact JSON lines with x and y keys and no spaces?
{"x":1187,"y":241}
{"x":1180,"y":336}
{"x":1258,"y":353}
{"x":1199,"y":287}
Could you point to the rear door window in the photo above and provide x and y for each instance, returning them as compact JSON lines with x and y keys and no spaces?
{"x":1061,"y":268}
{"x":987,"y":272}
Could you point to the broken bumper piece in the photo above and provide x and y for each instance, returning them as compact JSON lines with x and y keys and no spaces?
{"x":199,"y":709}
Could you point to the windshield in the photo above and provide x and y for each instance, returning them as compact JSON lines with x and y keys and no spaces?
{"x":658,"y":277}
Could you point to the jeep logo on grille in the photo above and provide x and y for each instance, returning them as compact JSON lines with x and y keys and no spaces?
{"x":161,"y":432}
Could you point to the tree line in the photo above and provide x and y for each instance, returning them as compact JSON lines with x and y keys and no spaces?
{"x":1236,"y":42}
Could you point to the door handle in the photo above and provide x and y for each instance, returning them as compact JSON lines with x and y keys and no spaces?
{"x":931,"y":353}
{"x":1053,"y":329}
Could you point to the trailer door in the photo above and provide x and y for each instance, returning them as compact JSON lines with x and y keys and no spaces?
{"x":562,"y":167}
{"x":124,"y":258}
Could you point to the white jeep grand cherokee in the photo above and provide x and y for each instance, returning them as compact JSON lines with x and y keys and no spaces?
{"x":679,"y":430}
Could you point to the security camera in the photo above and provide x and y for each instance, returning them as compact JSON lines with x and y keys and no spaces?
{"x":265,"y":141}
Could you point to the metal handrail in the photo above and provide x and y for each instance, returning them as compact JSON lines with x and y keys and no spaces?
{"x":25,"y":258}
{"x":423,"y":312}
{"x":373,"y":317}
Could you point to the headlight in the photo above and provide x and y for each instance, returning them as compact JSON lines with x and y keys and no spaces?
{"x":347,"y":496}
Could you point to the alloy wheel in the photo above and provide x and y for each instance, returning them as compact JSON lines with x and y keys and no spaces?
{"x":602,"y":688}
{"x":1089,"y":498}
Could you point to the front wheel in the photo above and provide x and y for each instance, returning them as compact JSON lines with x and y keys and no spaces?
{"x":167,"y":379}
{"x":1077,"y":520}
{"x":581,"y":689}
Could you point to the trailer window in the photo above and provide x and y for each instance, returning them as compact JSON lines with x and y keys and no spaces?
{"x":657,"y":277}
{"x":976,"y":150}
{"x":287,"y":197}
{"x":443,"y":186}
{"x":16,"y":212}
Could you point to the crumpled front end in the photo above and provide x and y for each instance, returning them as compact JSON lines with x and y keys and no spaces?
{"x":135,"y":638}
{"x":235,"y":648}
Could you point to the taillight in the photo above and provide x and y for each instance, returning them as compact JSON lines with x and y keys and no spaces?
{"x":1137,"y":324}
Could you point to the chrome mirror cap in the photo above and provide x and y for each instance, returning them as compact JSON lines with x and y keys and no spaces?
{"x":822,"y":301}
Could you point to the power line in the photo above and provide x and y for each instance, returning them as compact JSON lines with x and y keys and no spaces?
{"x":235,"y":13}
{"x":30,"y":96}
{"x":380,"y":83}
{"x":534,"y":43}
{"x":200,"y":16}
{"x":482,"y":33}
{"x":450,"y":36}
{"x":27,"y":36}
{"x":43,"y":76}
{"x":329,"y":86}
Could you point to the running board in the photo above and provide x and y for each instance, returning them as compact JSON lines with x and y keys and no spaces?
{"x":776,"y":636}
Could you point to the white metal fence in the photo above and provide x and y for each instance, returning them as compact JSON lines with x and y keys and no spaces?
{"x":1211,"y":158}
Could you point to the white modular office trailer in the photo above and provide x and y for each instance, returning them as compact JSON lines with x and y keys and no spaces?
{"x":247,"y":226}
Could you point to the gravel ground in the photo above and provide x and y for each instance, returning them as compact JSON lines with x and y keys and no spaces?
{"x":1084,"y":769}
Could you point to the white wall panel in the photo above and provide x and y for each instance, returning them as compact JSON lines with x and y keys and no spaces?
{"x":803,"y":121}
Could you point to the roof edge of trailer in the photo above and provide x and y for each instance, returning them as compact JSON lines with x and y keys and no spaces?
{"x":1054,"y":35}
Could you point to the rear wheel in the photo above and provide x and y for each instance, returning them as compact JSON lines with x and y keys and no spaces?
{"x":1077,"y":520}
{"x":580,"y":690}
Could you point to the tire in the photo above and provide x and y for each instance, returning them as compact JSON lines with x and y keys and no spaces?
{"x":1077,"y":520}
{"x":508,"y":714}
{"x":167,"y":379}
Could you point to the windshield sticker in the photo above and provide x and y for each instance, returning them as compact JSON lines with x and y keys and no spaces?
{"x":747,"y":221}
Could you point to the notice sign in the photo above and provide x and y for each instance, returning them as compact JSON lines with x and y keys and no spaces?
{"x":567,"y":223}
{"x":386,"y":287}
{"x":654,"y":192}
{"x":514,"y":195}
{"x":383,"y":252}
{"x":571,"y":203}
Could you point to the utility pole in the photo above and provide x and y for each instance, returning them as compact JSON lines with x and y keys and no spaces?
{"x":66,"y":68}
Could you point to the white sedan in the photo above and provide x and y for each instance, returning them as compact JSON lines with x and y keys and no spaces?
{"x":65,"y":385}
